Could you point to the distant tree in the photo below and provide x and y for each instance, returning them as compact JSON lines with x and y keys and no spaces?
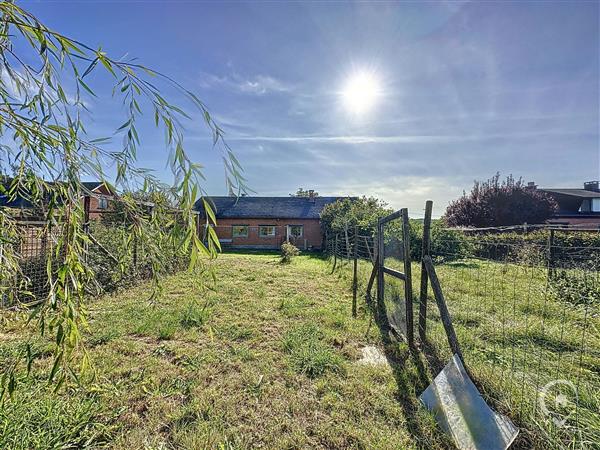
{"x":347,"y":213}
{"x":302,"y":193}
{"x":495,"y":203}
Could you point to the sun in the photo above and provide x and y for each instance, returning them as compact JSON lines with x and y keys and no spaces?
{"x":361,"y":92}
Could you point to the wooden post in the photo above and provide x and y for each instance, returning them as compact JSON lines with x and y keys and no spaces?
{"x":441,"y":303}
{"x":380,"y":261}
{"x":551,"y":254}
{"x":347,"y":242}
{"x":425,"y":249}
{"x":355,"y":272}
{"x":335,"y":244}
{"x":408,"y":281}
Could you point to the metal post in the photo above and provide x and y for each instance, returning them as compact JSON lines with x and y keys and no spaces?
{"x":425,"y":250}
{"x":355,"y":272}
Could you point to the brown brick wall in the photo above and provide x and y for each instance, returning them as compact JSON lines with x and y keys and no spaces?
{"x":311,"y":237}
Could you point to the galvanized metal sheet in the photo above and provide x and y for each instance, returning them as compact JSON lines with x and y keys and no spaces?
{"x":460,"y":410}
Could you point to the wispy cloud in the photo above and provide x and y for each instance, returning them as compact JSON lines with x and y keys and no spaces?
{"x":256,"y":84}
{"x":399,"y":139}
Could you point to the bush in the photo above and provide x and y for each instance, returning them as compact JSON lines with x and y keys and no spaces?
{"x":115,"y":240}
{"x":493,"y":203}
{"x":288,"y":251}
{"x":577,"y":288}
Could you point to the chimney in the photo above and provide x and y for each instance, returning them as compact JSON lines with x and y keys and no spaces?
{"x":531,"y":185}
{"x":592,"y":186}
{"x":311,"y":194}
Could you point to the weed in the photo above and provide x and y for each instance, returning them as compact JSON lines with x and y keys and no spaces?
{"x":307,"y":352}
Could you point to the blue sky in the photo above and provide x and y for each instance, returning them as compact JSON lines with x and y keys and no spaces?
{"x":465,"y":90}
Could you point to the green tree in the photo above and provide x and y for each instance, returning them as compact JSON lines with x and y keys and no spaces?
{"x":45,"y":85}
{"x":305,"y":193}
{"x":345,"y":214}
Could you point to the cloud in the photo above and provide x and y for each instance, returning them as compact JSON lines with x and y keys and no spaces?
{"x":400,"y":139}
{"x":256,"y":85}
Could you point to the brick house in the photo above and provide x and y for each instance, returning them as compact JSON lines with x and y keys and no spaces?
{"x":100,"y":197}
{"x":576,"y":207}
{"x":267,"y":222}
{"x":97,"y":193}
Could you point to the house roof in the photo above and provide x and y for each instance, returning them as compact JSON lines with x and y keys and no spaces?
{"x":582,"y":193}
{"x":268,"y":207}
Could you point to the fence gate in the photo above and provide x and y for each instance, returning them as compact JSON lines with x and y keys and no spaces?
{"x":394,"y":279}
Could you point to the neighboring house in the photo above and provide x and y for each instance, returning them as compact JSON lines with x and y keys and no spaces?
{"x":580,"y":207}
{"x":99,"y":194}
{"x":100,"y":197}
{"x":266,"y":222}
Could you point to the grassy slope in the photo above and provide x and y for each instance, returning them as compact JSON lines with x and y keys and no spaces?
{"x":268,"y":360}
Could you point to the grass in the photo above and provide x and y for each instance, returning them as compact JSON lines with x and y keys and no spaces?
{"x":267,"y":360}
{"x":518,"y":334}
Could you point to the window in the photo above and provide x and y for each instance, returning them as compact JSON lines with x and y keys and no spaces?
{"x":296,"y":231}
{"x":102,"y":203}
{"x":240,"y":231}
{"x":266,"y":230}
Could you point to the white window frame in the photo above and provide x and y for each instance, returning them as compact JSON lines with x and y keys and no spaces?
{"x":102,"y":203}
{"x":235,"y":235}
{"x":260,"y":231}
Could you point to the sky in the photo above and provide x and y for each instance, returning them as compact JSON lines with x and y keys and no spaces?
{"x":462,"y":90}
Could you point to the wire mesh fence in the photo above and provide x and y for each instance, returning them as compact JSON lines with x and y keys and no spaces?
{"x":116,"y":258}
{"x":525,"y":307}
{"x":526,"y":313}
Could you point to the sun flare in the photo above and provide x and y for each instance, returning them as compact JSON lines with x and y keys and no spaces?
{"x":361,"y":92}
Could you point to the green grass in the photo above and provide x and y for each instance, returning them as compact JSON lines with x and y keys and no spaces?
{"x":267,"y":360}
{"x":270,"y":359}
{"x":517,"y":333}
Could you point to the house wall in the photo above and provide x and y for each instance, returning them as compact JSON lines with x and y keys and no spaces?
{"x":311,"y":238}
{"x":95,"y":210}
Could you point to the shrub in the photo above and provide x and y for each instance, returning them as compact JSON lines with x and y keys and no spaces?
{"x":575,"y":287}
{"x":493,"y":203}
{"x":288,"y":251}
{"x":446,"y":244}
{"x":114,"y":240}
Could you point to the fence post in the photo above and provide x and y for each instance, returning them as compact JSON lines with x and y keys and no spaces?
{"x":380,"y":261}
{"x":355,"y":272}
{"x":347,"y":242}
{"x":551,"y":254}
{"x":135,"y":253}
{"x":408,"y":281}
{"x":335,"y":242}
{"x":425,"y":250}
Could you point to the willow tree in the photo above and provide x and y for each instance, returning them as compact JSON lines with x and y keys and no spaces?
{"x":46,"y":151}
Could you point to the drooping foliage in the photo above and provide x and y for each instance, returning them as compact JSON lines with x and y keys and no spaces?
{"x":495,"y":203}
{"x":47,"y":82}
